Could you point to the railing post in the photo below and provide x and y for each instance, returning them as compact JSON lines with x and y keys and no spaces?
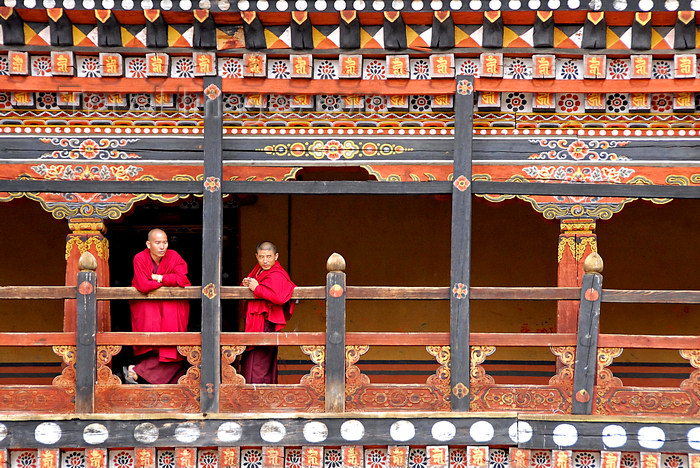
{"x":212,"y":231}
{"x":86,"y":345}
{"x":460,"y":249}
{"x":335,"y":334}
{"x":587,"y":338}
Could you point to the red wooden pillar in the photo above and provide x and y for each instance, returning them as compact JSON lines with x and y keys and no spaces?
{"x":87,"y":235}
{"x":576,"y":241}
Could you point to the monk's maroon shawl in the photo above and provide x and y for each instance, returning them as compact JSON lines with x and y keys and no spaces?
{"x":273,"y":299}
{"x":157,"y":315}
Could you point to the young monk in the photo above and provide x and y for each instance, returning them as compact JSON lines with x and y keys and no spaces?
{"x":269,"y":312}
{"x":154,"y":267}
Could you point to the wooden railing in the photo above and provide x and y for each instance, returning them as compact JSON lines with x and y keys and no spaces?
{"x":582,"y":384}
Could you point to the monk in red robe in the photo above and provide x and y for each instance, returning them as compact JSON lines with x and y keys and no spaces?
{"x":269,"y":312}
{"x":154,"y":267}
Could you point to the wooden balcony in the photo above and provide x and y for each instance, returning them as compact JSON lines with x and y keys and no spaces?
{"x":583,"y":382}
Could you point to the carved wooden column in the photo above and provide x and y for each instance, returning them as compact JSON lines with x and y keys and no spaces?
{"x":87,"y":235}
{"x":576,"y":241}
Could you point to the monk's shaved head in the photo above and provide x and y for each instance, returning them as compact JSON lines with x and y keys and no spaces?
{"x":266,"y":246}
{"x":153,"y":232}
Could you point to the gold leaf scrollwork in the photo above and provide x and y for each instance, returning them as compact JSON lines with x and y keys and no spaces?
{"x":692,"y":383}
{"x":83,"y":243}
{"x":577,"y":246}
{"x":605,"y":375}
{"x":192,"y":377}
{"x":105,"y":354}
{"x":316,"y":378}
{"x":67,"y":377}
{"x":477,"y":372}
{"x":566,"y":356}
{"x":354,"y":378}
{"x":228,"y":372}
{"x":441,"y":379}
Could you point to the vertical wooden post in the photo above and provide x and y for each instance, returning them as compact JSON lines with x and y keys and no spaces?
{"x":86,"y":345}
{"x":212,"y":229}
{"x":576,"y":241}
{"x":461,"y":244}
{"x":335,"y":334}
{"x":585,"y":365}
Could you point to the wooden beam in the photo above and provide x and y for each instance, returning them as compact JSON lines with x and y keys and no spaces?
{"x":651,"y":297}
{"x":86,"y":346}
{"x":460,"y":244}
{"x":37,"y":338}
{"x":335,"y":334}
{"x":37,"y":292}
{"x":586,"y":362}
{"x":357,"y":187}
{"x":11,"y":83}
{"x":648,"y":341}
{"x":212,"y":233}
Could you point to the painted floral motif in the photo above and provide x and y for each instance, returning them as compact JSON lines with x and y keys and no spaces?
{"x":212,"y":184}
{"x":540,"y":459}
{"x":518,"y":69}
{"x":420,"y":70}
{"x":26,"y":459}
{"x":233,"y":102}
{"x":94,"y":101}
{"x":251,"y":458}
{"x":166,"y":459}
{"x":376,"y":103}
{"x":579,"y":174}
{"x":334,"y":149}
{"x":333,"y":458}
{"x":569,"y":102}
{"x":375,"y":458}
{"x":76,"y":148}
{"x":629,"y":460}
{"x":292,"y":458}
{"x":662,"y":69}
{"x":458,"y":458}
{"x":89,"y":67}
{"x":417,"y":458}
{"x":419,"y":103}
{"x":498,"y":458}
{"x":569,"y":70}
{"x":619,"y":69}
{"x":592,"y":150}
{"x":183,"y":67}
{"x":674,"y":461}
{"x":375,"y":70}
{"x":584,"y":460}
{"x":41,"y":66}
{"x":46,"y":101}
{"x":515,"y":102}
{"x":73,"y":459}
{"x":279,"y":103}
{"x":328,"y":103}
{"x":140,"y":102}
{"x":208,"y":459}
{"x":121,"y":459}
{"x":617,"y":102}
{"x":187,"y":102}
{"x":231,"y":68}
{"x":135,"y":67}
{"x":661,"y":102}
{"x":4,"y":65}
{"x":279,"y":70}
{"x":325,"y":70}
{"x":5,"y":101}
{"x":469,"y":67}
{"x":465,"y":88}
{"x":70,"y":172}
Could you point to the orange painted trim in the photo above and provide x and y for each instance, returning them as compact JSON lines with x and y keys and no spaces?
{"x":342,"y":87}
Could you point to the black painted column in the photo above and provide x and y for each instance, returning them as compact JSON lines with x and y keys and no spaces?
{"x":461,"y":243}
{"x":86,"y":329}
{"x":335,"y":334}
{"x":586,"y":362}
{"x":212,"y":228}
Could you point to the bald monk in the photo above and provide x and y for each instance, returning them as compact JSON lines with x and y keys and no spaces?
{"x":269,"y":312}
{"x":154,"y":267}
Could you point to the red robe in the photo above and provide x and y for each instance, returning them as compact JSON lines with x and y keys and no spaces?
{"x":267,"y":313}
{"x":274,"y":294}
{"x":159,"y":315}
